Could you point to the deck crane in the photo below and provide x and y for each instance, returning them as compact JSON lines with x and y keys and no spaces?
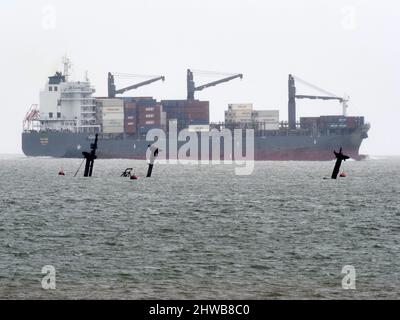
{"x":191,"y":87}
{"x":293,"y":96}
{"x":112,"y":91}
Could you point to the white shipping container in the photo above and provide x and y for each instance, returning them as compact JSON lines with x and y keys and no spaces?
{"x":266,"y":113}
{"x":113,"y":123}
{"x":199,"y":128}
{"x":268,"y":126}
{"x":237,"y":116}
{"x":112,"y":110}
{"x":113,"y":116}
{"x":266,"y":116}
{"x":111,"y":102}
{"x":239,"y":119}
{"x":266,"y":120}
{"x":241,"y":112}
{"x":240,"y":106}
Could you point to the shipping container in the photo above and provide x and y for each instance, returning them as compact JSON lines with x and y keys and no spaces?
{"x":233,"y":116}
{"x":112,"y":102}
{"x":332,"y":119}
{"x":309,"y":119}
{"x":113,"y":123}
{"x":149,"y":108}
{"x":113,"y":126}
{"x":266,"y":114}
{"x":197,"y":122}
{"x":309,"y":122}
{"x":143,"y":102}
{"x":128,"y":99}
{"x":112,"y":110}
{"x":113,"y":116}
{"x":130,"y":123}
{"x":199,"y":128}
{"x":197,"y":117}
{"x":267,"y":126}
{"x":130,"y":117}
{"x":130,"y":111}
{"x":149,"y":122}
{"x":130,"y":126}
{"x":130,"y":105}
{"x":239,"y":113}
{"x":197,"y":113}
{"x":240,"y":106}
{"x":150,"y":114}
{"x":266,"y":120}
{"x":155,"y":119}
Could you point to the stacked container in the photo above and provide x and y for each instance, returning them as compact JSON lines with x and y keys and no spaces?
{"x":309,"y":122}
{"x":186,"y":112}
{"x":266,"y":119}
{"x":150,"y":116}
{"x":174,"y":109}
{"x":239,"y":113}
{"x":354,"y":122}
{"x":333,"y":122}
{"x":130,"y":118}
{"x":111,"y":115}
{"x":199,"y":128}
{"x":145,"y":101}
{"x":197,"y":113}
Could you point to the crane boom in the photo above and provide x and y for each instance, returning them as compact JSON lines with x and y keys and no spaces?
{"x":191,"y":88}
{"x":318,"y":97}
{"x":112,"y":91}
{"x":327,"y":93}
{"x":214,"y":83}
{"x":140,"y":84}
{"x":293,"y":96}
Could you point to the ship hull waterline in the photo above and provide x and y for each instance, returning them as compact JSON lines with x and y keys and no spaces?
{"x":275,"y":148}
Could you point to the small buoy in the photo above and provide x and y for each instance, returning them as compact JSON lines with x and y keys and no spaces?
{"x":61,"y":173}
{"x":343,"y":175}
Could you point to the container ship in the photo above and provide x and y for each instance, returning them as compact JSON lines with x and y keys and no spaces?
{"x":69,"y":115}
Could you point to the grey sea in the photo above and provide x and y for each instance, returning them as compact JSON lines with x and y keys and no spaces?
{"x":199,"y":231}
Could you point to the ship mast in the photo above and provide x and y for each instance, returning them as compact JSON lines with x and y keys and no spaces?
{"x":67,"y":66}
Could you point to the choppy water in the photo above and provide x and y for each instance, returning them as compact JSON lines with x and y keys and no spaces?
{"x":199,"y":231}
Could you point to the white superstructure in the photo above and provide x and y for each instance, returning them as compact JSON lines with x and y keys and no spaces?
{"x":68,"y":105}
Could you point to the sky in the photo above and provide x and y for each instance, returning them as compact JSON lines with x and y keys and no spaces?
{"x":344,"y":46}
